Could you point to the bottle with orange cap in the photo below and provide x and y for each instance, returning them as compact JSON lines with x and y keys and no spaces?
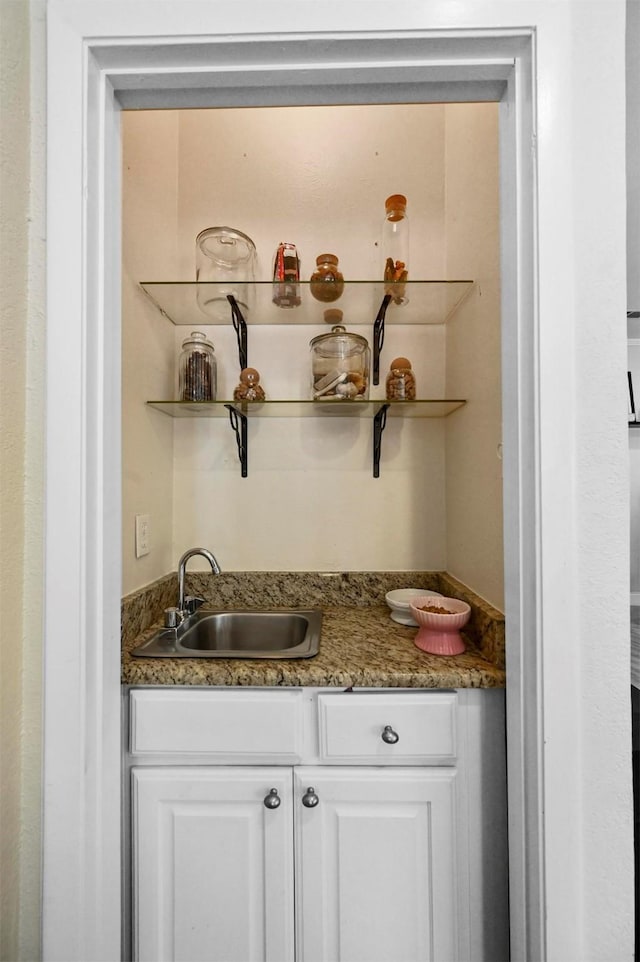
{"x":395,"y":246}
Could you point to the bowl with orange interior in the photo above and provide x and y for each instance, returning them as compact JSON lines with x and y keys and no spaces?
{"x":440,"y":620}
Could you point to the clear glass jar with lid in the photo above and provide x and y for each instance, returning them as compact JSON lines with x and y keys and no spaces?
{"x":327,"y":282}
{"x":197,"y":369}
{"x":225,"y":266}
{"x":340,"y":364}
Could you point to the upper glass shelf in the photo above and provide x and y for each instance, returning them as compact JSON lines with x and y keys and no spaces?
{"x":424,"y":408}
{"x":422,"y":302}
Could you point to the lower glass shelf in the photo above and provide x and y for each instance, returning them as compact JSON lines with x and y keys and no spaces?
{"x":240,"y":412}
{"x":424,"y":408}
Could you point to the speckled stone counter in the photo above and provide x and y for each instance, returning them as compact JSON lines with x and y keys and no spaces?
{"x":360,"y":645}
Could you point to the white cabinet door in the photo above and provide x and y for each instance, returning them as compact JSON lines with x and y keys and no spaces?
{"x":212,"y":865}
{"x":375,"y":865}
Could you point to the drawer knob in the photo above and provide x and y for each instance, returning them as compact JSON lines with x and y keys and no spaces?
{"x":389,"y":736}
{"x":310,"y":799}
{"x":272,"y":800}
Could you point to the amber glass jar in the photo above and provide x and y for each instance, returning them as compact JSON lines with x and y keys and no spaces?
{"x":327,"y":283}
{"x":401,"y":382}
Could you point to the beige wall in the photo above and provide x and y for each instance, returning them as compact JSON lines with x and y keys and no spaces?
{"x":21,"y":470}
{"x":318,"y":177}
{"x":149,"y":222}
{"x":473,"y":454}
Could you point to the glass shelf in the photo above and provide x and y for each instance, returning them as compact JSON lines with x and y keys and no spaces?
{"x":427,"y":408}
{"x":371,"y":303}
{"x":426,"y":302}
{"x":240,"y":412}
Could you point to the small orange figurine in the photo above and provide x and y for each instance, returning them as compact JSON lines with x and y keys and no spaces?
{"x":249,"y":388}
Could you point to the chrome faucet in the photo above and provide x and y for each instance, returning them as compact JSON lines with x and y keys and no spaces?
{"x":182,"y":565}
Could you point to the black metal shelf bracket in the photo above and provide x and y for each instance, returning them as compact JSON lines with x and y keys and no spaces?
{"x":378,"y":337}
{"x":239,"y":424}
{"x":379,"y":424}
{"x":240,"y":327}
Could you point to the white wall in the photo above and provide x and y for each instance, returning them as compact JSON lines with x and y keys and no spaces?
{"x":633,"y":155}
{"x":633,"y":274}
{"x":317,"y":177}
{"x":580,"y":587}
{"x":587,"y":660}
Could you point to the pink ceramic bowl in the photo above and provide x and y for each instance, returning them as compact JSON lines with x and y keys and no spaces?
{"x":439,"y":634}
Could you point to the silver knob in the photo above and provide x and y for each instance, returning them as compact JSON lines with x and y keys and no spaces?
{"x":173,"y":617}
{"x":310,"y":799}
{"x":272,"y":800}
{"x":389,"y":736}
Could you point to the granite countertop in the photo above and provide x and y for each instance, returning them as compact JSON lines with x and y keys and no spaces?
{"x":360,"y":645}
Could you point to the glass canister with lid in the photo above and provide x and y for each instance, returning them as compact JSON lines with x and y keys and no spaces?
{"x":197,"y":369}
{"x":225,"y":265}
{"x":339,"y":366}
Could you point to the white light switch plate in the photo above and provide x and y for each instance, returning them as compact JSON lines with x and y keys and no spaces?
{"x":143,"y":525}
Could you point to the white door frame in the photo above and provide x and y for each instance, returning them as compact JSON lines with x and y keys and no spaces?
{"x":192,"y":52}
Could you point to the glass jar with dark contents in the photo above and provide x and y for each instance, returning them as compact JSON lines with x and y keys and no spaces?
{"x":197,"y":379}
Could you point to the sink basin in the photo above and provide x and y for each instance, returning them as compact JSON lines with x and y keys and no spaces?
{"x":291,"y":633}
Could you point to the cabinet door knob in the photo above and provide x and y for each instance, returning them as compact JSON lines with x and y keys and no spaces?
{"x":310,"y":799}
{"x":389,"y":736}
{"x":272,"y":800}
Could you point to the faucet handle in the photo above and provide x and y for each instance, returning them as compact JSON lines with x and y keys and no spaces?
{"x":173,"y":617}
{"x":192,"y":603}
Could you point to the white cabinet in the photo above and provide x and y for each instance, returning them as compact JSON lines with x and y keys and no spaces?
{"x":214,"y":852}
{"x":212,"y":866}
{"x":388,"y":729}
{"x":375,"y":865}
{"x":338,"y":827}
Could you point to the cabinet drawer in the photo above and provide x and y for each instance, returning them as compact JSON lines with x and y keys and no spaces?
{"x":352,"y":725}
{"x":223,"y":724}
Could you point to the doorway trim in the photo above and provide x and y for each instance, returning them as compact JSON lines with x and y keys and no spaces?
{"x":100,"y":52}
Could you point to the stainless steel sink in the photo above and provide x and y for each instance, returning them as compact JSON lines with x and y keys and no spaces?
{"x":290,"y":633}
